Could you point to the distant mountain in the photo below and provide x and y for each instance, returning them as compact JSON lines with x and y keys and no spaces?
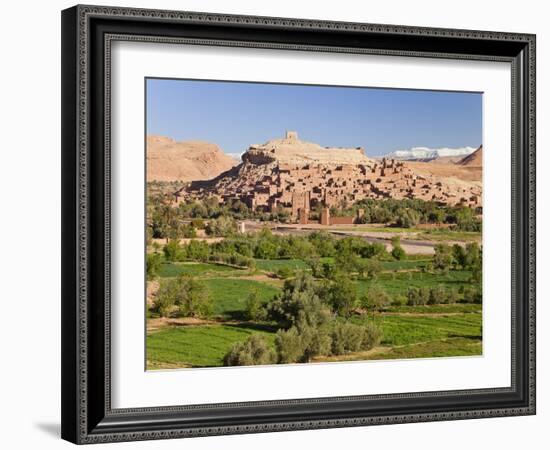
{"x":429,"y":154}
{"x":474,"y":159}
{"x":168,"y":160}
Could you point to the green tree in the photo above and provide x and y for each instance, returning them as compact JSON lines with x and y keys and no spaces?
{"x":193,"y":298}
{"x":375,"y":298}
{"x":397,"y":251}
{"x":154,"y":261}
{"x":254,"y":308}
{"x":172,"y":250}
{"x":341,"y":295}
{"x":443,"y":257}
{"x":254,"y":351}
{"x":299,"y":302}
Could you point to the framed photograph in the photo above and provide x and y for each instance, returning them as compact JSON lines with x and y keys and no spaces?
{"x":281,"y":224}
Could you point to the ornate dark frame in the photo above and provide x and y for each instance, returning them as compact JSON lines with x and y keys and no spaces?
{"x":87,"y":32}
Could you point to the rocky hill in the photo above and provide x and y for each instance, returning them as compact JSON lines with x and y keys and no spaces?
{"x":292,"y":174}
{"x":473,"y":160}
{"x":168,"y":160}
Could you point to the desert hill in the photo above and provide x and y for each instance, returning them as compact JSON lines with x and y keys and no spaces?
{"x":292,"y":174}
{"x":473,"y":160}
{"x":168,"y":160}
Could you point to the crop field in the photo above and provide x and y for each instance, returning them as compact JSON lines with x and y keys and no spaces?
{"x":422,"y":331}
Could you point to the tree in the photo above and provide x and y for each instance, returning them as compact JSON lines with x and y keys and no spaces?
{"x":154,"y":261}
{"x":301,"y":343}
{"x":165,"y":300}
{"x":222,"y":226}
{"x":341,"y":295}
{"x":298,"y":302}
{"x":437,"y":295}
{"x":172,"y":250}
{"x":443,"y":257}
{"x":397,"y":251}
{"x":193,"y":298}
{"x":375,"y":298}
{"x":254,"y":308}
{"x":459,"y":255}
{"x":197,"y":250}
{"x":254,"y":351}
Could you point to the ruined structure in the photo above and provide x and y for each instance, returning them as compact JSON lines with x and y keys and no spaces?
{"x":298,"y":176}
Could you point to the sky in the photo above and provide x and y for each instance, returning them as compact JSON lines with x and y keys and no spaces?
{"x":235,"y":115}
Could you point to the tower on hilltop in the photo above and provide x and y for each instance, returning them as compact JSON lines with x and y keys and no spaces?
{"x":293,"y":135}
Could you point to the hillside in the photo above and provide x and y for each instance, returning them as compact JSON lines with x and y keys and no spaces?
{"x":168,"y":160}
{"x":292,"y":174}
{"x":473,"y":160}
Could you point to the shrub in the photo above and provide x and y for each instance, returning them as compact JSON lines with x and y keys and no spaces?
{"x":301,"y":343}
{"x":172,"y":250}
{"x":197,"y":250}
{"x":437,"y":295}
{"x":192,"y":297}
{"x":284,"y":272}
{"x":154,"y":261}
{"x":165,"y":301}
{"x":289,"y":346}
{"x":299,"y":302}
{"x":348,"y":337}
{"x":375,"y":298}
{"x":397,"y":251}
{"x":254,"y":351}
{"x":443,"y":257}
{"x":222,"y":226}
{"x":254,"y":309}
{"x":372,"y":336}
{"x":341,"y":295}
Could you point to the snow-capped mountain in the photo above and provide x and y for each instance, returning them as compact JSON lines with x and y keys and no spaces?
{"x":428,"y":154}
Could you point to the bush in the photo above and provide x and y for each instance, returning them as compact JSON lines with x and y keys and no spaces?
{"x":197,"y":250}
{"x":348,"y":337}
{"x":299,"y":302}
{"x":372,"y":336}
{"x":375,"y":298}
{"x":254,"y":309}
{"x":154,"y":261}
{"x":184,"y":295}
{"x":443,"y":257}
{"x":165,"y":301}
{"x":437,"y":295}
{"x":284,"y":272}
{"x":341,"y":295}
{"x":172,"y":250}
{"x":222,"y":226}
{"x":254,"y":351}
{"x":416,"y":297}
{"x":289,"y":346}
{"x":397,"y":251}
{"x":301,"y":343}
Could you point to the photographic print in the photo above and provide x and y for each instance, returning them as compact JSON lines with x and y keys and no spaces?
{"x":292,"y":223}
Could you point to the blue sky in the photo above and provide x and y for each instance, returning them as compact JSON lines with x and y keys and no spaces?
{"x":234,"y":115}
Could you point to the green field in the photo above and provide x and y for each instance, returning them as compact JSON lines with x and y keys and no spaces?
{"x":408,"y":331}
{"x":229,"y":295}
{"x":196,"y":346}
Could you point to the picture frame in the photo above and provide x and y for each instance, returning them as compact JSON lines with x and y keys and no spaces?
{"x":87,"y":365}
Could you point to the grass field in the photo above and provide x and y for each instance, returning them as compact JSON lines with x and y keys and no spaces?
{"x":229,"y":295}
{"x":408,"y":331}
{"x":196,"y":346}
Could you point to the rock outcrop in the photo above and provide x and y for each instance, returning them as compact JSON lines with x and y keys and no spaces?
{"x":473,"y":160}
{"x":168,"y":160}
